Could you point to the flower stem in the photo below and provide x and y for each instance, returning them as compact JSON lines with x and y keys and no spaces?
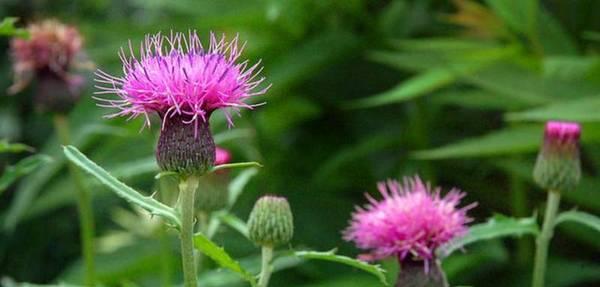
{"x":84,"y":204}
{"x":543,"y":240}
{"x":187,"y":190}
{"x":265,"y":273}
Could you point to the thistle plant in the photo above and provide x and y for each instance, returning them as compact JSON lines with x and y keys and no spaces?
{"x":557,"y":169}
{"x":409,"y":223}
{"x":184,"y":83}
{"x":270,"y":224}
{"x":48,"y":56}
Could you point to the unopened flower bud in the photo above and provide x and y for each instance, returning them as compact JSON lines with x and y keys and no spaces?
{"x":213,"y":193}
{"x":184,"y":149}
{"x":271,"y":222}
{"x":558,"y":165}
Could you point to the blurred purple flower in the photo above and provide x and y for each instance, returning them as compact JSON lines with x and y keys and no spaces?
{"x":222,"y":156}
{"x":412,"y":219}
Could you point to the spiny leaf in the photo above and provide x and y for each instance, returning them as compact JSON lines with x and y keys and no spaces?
{"x":121,"y":189}
{"x":375,"y":270}
{"x":23,"y":167}
{"x":221,"y":257}
{"x":496,"y":227}
{"x":580,"y":217}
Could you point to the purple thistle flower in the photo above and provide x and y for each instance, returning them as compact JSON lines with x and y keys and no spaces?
{"x":410,"y":222}
{"x":176,"y":76}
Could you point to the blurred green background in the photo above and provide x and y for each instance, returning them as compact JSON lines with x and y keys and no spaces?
{"x":456,"y":91}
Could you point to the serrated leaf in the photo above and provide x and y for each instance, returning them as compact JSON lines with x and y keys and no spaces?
{"x":580,"y":217}
{"x":507,"y":141}
{"x":6,"y":147}
{"x":153,"y":206}
{"x":7,"y":28}
{"x":580,"y":110}
{"x":221,"y":257}
{"x":375,"y":270}
{"x":496,"y":227}
{"x":23,"y":167}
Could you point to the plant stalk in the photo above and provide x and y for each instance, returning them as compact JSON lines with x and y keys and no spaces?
{"x":543,"y":240}
{"x":84,"y":204}
{"x":267,"y":268}
{"x":187,"y":190}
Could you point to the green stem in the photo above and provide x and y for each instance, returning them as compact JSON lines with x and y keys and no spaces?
{"x":265,"y":273}
{"x":543,"y":240}
{"x":519,"y":209}
{"x":187,"y":190}
{"x":203,"y":218}
{"x":84,"y":204}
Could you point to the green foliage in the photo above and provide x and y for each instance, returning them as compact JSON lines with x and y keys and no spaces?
{"x":496,"y":227}
{"x":21,"y":168}
{"x":219,"y":255}
{"x":375,"y":270}
{"x":146,"y":202}
{"x":7,"y":28}
{"x":6,"y":147}
{"x":583,"y":218}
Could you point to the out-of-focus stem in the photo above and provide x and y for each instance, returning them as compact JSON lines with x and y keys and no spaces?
{"x":267,"y":268}
{"x":84,"y":204}
{"x":187,"y":190}
{"x":543,"y":240}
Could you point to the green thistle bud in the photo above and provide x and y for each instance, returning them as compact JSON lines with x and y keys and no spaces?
{"x":212,"y":194}
{"x":558,"y":165}
{"x":184,"y":147}
{"x":271,"y":222}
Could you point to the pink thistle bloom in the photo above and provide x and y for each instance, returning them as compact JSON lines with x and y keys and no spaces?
{"x":558,"y":165}
{"x":51,"y":48}
{"x":222,"y":156}
{"x":176,"y":77}
{"x":412,"y":219}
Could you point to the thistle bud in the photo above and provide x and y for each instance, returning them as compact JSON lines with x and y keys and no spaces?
{"x":213,"y":193}
{"x":183,"y":148}
{"x":271,"y":222}
{"x":558,"y":165}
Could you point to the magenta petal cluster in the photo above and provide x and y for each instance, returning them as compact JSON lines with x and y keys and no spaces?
{"x":176,"y":76}
{"x":412,"y":219}
{"x":222,"y":156}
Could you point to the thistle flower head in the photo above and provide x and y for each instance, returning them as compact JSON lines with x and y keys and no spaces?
{"x":48,"y":54}
{"x":558,"y":164}
{"x":410,"y":222}
{"x":176,"y":76}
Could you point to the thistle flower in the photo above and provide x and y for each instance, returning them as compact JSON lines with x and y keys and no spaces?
{"x":271,"y":221}
{"x":181,"y":81}
{"x":410,"y":222}
{"x":48,"y":55}
{"x":558,"y":165}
